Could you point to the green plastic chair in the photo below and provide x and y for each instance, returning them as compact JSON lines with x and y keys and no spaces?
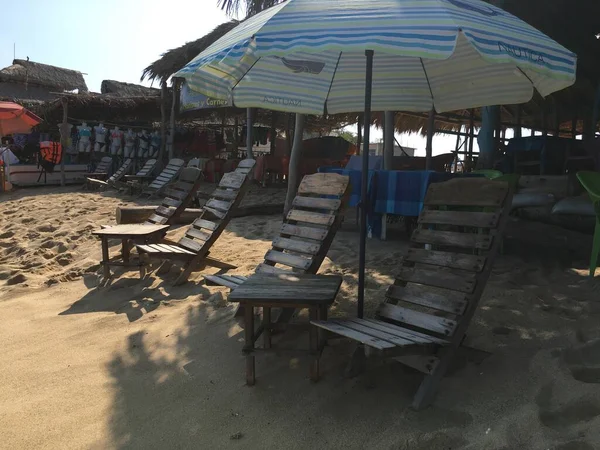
{"x":591,"y":182}
{"x":490,"y":174}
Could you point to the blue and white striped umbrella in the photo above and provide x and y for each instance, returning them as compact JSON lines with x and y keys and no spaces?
{"x":308,"y":56}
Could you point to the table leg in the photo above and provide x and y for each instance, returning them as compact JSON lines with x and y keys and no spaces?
{"x":266,"y":327}
{"x":314,"y":345}
{"x":322,"y":333}
{"x":105,"y":258}
{"x":125,"y":250}
{"x":249,"y":344}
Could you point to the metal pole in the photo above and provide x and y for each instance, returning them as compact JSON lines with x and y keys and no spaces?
{"x":430,"y":133}
{"x":249,"y":134}
{"x":363,"y":187}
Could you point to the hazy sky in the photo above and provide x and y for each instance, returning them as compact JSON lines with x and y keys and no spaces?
{"x":117,"y":39}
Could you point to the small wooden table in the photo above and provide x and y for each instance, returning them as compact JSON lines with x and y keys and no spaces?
{"x":314,"y":292}
{"x":136,"y":232}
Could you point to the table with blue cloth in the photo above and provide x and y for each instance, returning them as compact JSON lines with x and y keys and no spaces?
{"x":397,"y":192}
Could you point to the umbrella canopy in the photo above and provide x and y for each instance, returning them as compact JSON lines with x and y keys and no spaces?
{"x":307,"y":56}
{"x":16,"y":119}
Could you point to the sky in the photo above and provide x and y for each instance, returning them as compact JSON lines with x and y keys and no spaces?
{"x":116,"y":40}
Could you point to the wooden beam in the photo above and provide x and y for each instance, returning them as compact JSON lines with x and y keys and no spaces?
{"x":519,"y":129}
{"x":64,"y":138}
{"x":430,"y":133}
{"x":163,"y":119}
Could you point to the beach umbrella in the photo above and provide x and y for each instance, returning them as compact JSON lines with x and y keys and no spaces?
{"x":16,"y":119}
{"x":327,"y":57}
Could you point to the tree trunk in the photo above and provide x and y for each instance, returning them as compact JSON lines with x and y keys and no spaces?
{"x":163,"y":120}
{"x":294,"y":168}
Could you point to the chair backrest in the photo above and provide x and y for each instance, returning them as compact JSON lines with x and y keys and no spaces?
{"x":168,"y":174}
{"x":122,"y":171}
{"x":104,"y":165}
{"x":147,"y":169}
{"x":194,"y":162}
{"x":177,"y":197}
{"x":218,"y":210}
{"x":591,"y":182}
{"x":452,"y":252}
{"x":310,"y":226}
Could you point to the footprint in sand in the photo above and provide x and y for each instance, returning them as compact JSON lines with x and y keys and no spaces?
{"x":577,"y":411}
{"x":7,"y":234}
{"x":47,"y":228}
{"x":27,"y":220}
{"x":584,"y":361}
{"x":65,"y":259}
{"x":17,"y":279}
{"x":574,"y":445}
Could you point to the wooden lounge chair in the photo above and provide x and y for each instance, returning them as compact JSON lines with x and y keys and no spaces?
{"x":429,"y":307}
{"x":100,"y":172}
{"x":193,"y":249}
{"x":178,"y":196}
{"x":137,"y":181}
{"x":167,"y":176}
{"x":307,"y":232}
{"x":115,"y":179}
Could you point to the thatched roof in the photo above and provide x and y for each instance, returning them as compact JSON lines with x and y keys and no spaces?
{"x":43,"y":75}
{"x":175,"y":59}
{"x":100,"y":107}
{"x":121,"y":89}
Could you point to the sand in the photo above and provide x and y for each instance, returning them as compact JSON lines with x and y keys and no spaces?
{"x":143,"y":364}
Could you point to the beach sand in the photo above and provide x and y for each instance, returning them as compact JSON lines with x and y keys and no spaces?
{"x":143,"y":364}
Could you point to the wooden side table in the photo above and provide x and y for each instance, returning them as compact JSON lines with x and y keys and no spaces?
{"x":135,"y":232}
{"x":313,"y":292}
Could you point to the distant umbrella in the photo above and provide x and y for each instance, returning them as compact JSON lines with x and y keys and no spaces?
{"x":16,"y":119}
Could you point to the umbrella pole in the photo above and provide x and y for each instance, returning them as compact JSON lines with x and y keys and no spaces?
{"x":364,"y":203}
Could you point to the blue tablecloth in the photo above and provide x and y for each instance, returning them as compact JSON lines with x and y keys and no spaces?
{"x":355,"y":182}
{"x":402,"y":192}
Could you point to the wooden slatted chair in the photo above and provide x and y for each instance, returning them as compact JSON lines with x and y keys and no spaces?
{"x":192,"y":250}
{"x":177,"y":198}
{"x":428,"y":309}
{"x":100,"y":172}
{"x":115,"y":179}
{"x":168,"y":174}
{"x":134,"y":182}
{"x":307,"y":232}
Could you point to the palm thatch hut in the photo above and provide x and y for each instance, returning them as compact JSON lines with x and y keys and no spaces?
{"x":28,"y":82}
{"x":121,"y":89}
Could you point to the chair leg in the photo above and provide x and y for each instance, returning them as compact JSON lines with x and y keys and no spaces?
{"x":429,"y":386}
{"x":595,"y":249}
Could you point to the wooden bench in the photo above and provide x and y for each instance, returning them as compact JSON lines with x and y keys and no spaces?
{"x":429,"y":307}
{"x":100,"y":172}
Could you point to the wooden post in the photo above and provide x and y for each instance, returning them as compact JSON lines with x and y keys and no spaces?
{"x":543,"y":119}
{"x":457,"y":148}
{"x":388,"y":139}
{"x":163,"y":119}
{"x":249,"y":134}
{"x":64,"y":139}
{"x":359,"y":133}
{"x":175,"y":87}
{"x":518,"y":128}
{"x":273,"y":132}
{"x":294,"y":168}
{"x":430,"y":133}
{"x":389,"y":127}
{"x":469,"y":160}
